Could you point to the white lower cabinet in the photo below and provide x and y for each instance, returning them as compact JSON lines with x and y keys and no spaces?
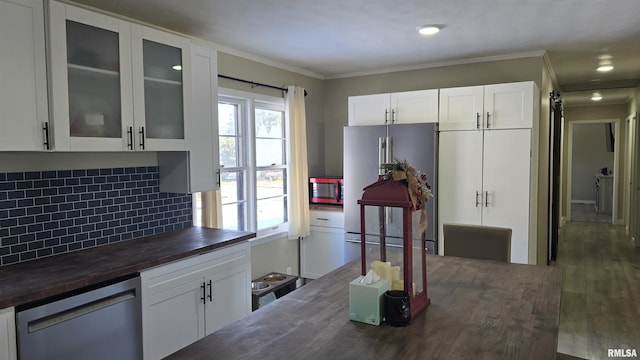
{"x":323,"y":250}
{"x":8,"y":334}
{"x":186,"y":300}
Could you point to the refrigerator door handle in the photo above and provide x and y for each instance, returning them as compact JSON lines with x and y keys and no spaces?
{"x":381,"y":153}
{"x":388,"y":155}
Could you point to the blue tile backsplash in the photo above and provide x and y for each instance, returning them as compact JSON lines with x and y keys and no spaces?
{"x":44,"y":213}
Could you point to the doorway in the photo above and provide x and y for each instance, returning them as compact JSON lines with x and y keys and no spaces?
{"x":586,"y":197}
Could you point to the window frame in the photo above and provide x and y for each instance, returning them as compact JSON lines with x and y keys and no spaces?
{"x":246,"y":123}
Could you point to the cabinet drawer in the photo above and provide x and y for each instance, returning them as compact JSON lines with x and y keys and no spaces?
{"x":166,"y":277}
{"x":333,"y":219}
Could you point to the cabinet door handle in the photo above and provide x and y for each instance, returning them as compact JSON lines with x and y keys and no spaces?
{"x":130,"y":137}
{"x":386,"y":114}
{"x":203,"y":292}
{"x":45,"y":128}
{"x":488,"y":120}
{"x":210,"y":296}
{"x":393,"y":116}
{"x":323,"y":219}
{"x":486,"y":199}
{"x":142,"y":138}
{"x":477,"y":120}
{"x":477,"y":202}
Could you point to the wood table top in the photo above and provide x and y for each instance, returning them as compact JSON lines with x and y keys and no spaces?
{"x":479,"y":310}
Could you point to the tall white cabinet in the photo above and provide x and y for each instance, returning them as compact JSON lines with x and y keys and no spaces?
{"x":488,"y":172}
{"x":23,"y":85}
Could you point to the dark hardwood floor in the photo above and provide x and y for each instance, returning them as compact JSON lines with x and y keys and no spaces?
{"x":600,"y":306}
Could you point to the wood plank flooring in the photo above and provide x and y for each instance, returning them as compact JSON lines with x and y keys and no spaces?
{"x":600,"y":307}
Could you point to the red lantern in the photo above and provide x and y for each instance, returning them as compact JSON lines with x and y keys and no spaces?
{"x":391,"y":197}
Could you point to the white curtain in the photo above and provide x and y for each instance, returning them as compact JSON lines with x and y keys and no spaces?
{"x":298,"y":180}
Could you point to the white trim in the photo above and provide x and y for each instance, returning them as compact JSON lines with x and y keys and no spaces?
{"x":264,"y":239}
{"x":439,"y":64}
{"x":616,"y":156}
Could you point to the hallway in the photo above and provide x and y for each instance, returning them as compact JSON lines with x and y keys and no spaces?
{"x":600,"y":307}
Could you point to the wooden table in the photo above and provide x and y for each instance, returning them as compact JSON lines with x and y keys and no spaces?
{"x":479,"y":310}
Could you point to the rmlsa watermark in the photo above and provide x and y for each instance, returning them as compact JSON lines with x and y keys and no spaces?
{"x":622,"y":353}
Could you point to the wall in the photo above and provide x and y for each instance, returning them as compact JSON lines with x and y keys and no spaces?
{"x":49,"y":207}
{"x":589,"y":156}
{"x":596,"y":112}
{"x":274,"y":256}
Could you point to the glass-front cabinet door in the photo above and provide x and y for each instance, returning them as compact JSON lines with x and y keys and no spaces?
{"x":91,"y":80}
{"x":161,"y":72}
{"x":117,"y":86}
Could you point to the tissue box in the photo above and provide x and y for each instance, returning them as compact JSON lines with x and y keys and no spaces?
{"x":365,"y":301}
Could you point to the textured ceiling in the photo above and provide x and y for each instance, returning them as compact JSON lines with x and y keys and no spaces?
{"x":332,"y":38}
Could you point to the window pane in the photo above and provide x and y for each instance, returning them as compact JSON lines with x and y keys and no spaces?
{"x":269,"y":152}
{"x":227,"y":119}
{"x":270,"y":183}
{"x":269,"y":123}
{"x":233,"y":216}
{"x":272,"y":212}
{"x":228,"y":151}
{"x":231,"y":186}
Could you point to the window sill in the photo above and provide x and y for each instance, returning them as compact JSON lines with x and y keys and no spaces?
{"x":269,"y":237}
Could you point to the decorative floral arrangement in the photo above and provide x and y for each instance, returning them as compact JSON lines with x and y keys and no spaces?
{"x":419,"y":187}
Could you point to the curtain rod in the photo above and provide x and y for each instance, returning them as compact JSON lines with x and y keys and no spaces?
{"x":255,"y":84}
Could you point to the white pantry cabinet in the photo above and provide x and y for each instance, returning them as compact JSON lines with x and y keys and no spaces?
{"x":486,"y":179}
{"x":23,"y":85}
{"x":323,"y":250}
{"x":188,"y":299}
{"x":198,"y":168}
{"x":116,"y":85}
{"x":497,"y":106}
{"x":394,"y":108}
{"x":8,"y":334}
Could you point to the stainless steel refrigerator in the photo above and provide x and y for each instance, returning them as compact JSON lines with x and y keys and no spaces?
{"x":365,"y":148}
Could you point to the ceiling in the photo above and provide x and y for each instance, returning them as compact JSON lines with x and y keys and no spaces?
{"x":335,"y":38}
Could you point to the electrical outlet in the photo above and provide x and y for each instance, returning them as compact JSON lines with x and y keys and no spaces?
{"x":288,"y":270}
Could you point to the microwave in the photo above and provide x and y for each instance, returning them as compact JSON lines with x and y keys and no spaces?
{"x":326,"y":190}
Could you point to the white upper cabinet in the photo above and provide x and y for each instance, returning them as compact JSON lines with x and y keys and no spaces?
{"x":161,"y":73}
{"x":197,"y":169}
{"x":115,"y":85}
{"x":23,"y":84}
{"x":401,"y":108}
{"x":498,"y":106}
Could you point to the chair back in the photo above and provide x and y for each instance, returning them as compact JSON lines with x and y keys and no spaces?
{"x":477,"y":242}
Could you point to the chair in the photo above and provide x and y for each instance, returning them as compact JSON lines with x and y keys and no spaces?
{"x":477,"y":242}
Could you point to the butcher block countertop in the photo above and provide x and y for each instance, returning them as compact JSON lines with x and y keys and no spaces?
{"x":39,"y":279}
{"x":479,"y":310}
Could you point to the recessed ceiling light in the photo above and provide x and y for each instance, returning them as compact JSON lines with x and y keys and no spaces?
{"x":605,"y":67}
{"x":177,"y":67}
{"x":596,"y":96}
{"x":429,"y":29}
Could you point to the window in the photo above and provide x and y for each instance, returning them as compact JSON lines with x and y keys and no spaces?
{"x":253,"y":159}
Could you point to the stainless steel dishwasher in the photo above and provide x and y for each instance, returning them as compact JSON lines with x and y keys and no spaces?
{"x":97,"y":323}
